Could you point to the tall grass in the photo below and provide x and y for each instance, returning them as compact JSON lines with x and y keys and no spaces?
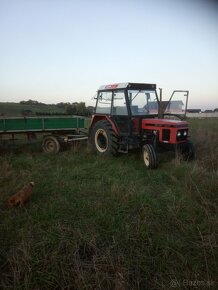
{"x":107,"y":223}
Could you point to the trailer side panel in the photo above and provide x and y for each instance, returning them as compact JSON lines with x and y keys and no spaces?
{"x":29,"y":124}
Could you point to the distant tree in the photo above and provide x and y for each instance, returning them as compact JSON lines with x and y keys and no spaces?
{"x":29,"y":102}
{"x":90,"y":110}
{"x":81,"y":109}
{"x":76,"y":109}
{"x":71,"y":110}
{"x":216,"y":110}
{"x":62,"y":105}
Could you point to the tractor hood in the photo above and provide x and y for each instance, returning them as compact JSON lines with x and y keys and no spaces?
{"x":163,"y":123}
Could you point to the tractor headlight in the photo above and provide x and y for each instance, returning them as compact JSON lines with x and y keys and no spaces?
{"x":185,"y":133}
{"x":179,"y":134}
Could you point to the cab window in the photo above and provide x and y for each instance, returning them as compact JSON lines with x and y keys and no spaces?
{"x":119,"y":104}
{"x":104,"y":103}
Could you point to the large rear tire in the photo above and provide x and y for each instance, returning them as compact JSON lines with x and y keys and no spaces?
{"x":104,"y":140}
{"x":149,"y":156}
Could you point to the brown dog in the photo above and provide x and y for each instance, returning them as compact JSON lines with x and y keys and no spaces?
{"x":22,"y":196}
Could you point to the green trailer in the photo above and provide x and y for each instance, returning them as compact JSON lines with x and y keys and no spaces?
{"x":57,"y":131}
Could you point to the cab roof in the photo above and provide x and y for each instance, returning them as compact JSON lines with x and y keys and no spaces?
{"x":133,"y":86}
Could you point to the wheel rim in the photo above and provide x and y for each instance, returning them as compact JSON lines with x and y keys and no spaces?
{"x":146,"y":158}
{"x":101,"y":140}
{"x":50,"y":146}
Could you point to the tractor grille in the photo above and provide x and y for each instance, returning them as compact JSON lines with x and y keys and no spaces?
{"x":182,"y":135}
{"x":166,"y":135}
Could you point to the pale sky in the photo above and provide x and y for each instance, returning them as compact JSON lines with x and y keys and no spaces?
{"x":63,"y":50}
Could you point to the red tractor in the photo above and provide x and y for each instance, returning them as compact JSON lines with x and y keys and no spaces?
{"x":131,"y":115}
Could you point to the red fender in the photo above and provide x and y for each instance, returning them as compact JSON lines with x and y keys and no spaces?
{"x":97,"y":118}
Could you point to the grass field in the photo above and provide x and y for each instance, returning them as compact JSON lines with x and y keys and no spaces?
{"x":15,"y":109}
{"x":107,"y":223}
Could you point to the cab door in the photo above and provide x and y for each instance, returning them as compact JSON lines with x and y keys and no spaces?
{"x":119,"y":111}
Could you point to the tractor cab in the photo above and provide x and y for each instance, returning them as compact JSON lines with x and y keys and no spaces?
{"x":132,"y":115}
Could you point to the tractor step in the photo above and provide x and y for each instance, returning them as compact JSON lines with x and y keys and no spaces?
{"x":124,"y":150}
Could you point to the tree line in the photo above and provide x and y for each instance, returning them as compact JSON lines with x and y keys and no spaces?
{"x":68,"y":108}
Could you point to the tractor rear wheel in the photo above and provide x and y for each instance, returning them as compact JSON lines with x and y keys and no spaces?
{"x":149,"y":156}
{"x":104,"y":140}
{"x":50,"y":144}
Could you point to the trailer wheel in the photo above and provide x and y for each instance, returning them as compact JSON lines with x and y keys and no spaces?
{"x":50,"y":144}
{"x":104,"y":141}
{"x":149,"y":156}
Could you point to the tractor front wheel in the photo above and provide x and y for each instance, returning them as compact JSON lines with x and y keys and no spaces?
{"x":103,"y":139}
{"x":149,"y":156}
